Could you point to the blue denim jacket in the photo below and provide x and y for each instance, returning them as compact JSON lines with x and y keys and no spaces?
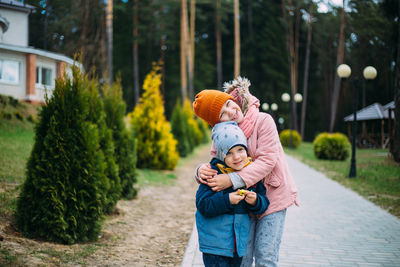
{"x":219,"y":222}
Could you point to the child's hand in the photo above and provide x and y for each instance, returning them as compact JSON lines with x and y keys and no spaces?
{"x":235,"y":198}
{"x":251,"y":198}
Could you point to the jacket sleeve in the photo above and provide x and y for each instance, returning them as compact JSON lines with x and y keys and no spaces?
{"x":210,"y":203}
{"x":262,"y":200}
{"x":213,"y":153}
{"x":266,"y":154}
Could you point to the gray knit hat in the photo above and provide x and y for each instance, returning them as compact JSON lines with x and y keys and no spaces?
{"x":225,"y":136}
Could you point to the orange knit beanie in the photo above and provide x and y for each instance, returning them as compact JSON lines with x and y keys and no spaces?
{"x":208,"y":103}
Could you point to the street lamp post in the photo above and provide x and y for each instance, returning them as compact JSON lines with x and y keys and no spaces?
{"x":274,"y":108}
{"x":369,"y":73}
{"x":281,"y":121}
{"x":286,"y":98}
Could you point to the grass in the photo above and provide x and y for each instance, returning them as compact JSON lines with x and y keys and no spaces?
{"x":147,"y":177}
{"x":378,"y":175}
{"x":9,"y":259}
{"x":16,"y":141}
{"x":51,"y":256}
{"x":78,"y":254}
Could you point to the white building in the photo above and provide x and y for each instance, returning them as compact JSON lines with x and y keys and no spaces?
{"x":25,"y":72}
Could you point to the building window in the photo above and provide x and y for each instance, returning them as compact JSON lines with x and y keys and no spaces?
{"x":9,"y":71}
{"x":43,"y":76}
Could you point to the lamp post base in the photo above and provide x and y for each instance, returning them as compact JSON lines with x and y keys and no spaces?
{"x":353,"y":172}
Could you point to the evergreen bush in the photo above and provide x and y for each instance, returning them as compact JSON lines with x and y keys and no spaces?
{"x":195,"y":133}
{"x":155,"y":143}
{"x":204,"y":128}
{"x":125,"y":152}
{"x":180,"y":129}
{"x":112,"y":188}
{"x":61,"y":198}
{"x":332,"y":146}
{"x":285,"y":138}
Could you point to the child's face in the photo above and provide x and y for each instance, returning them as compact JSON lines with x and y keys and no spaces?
{"x":236,"y":158}
{"x":231,"y":111}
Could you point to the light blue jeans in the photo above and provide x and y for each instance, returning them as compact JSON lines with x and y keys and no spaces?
{"x":265,"y":240}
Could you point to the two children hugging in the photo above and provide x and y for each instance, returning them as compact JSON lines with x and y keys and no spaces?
{"x":269,"y":165}
{"x":222,"y":218}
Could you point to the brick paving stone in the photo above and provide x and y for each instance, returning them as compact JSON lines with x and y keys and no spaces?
{"x":333,"y":226}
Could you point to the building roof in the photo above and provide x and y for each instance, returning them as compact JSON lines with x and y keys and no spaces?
{"x":373,"y":112}
{"x":389,"y":105}
{"x":17,"y":5}
{"x":39,"y":52}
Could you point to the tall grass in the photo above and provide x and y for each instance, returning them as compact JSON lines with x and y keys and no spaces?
{"x":378,"y":175}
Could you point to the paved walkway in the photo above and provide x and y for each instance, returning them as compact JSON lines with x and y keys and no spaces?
{"x":333,"y":227}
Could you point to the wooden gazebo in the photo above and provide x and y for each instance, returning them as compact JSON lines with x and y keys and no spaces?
{"x":376,"y":125}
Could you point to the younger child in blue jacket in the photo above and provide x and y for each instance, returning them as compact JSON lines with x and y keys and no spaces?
{"x":222,"y":218}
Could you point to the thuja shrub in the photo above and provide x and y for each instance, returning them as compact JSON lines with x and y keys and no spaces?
{"x":195,"y":133}
{"x":180,"y":129}
{"x":204,"y":128}
{"x":112,"y":187}
{"x":60,"y":199}
{"x":285,"y":138}
{"x":155,"y":142}
{"x":125,"y":152}
{"x":332,"y":146}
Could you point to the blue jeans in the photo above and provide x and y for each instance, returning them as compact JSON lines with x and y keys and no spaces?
{"x":211,"y":260}
{"x":265,"y":240}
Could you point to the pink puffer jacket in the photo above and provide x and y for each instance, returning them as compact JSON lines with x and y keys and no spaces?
{"x":269,"y":161}
{"x":269,"y":164}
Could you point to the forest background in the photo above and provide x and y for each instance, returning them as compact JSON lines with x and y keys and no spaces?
{"x":273,"y":46}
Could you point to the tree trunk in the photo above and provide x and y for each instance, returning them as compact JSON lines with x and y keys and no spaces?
{"x":236,"y":71}
{"x":296,"y":61}
{"x":306,"y":69}
{"x":293,"y":52}
{"x":395,"y":142}
{"x":192,"y":48}
{"x":109,"y":30}
{"x":218,"y":43}
{"x":84,"y":20}
{"x":286,"y":24}
{"x":339,"y":60}
{"x":183,"y":52}
{"x":135,"y":52}
{"x":188,"y":52}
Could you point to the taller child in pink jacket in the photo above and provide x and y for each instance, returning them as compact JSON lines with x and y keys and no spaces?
{"x":237,"y":104}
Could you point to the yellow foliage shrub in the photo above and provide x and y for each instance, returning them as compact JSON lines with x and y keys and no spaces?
{"x":156,"y":146}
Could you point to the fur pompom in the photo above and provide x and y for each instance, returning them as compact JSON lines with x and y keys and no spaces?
{"x":242,"y":95}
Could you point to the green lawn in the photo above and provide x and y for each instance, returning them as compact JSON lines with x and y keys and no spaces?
{"x":16,"y":141}
{"x":378,"y":176}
